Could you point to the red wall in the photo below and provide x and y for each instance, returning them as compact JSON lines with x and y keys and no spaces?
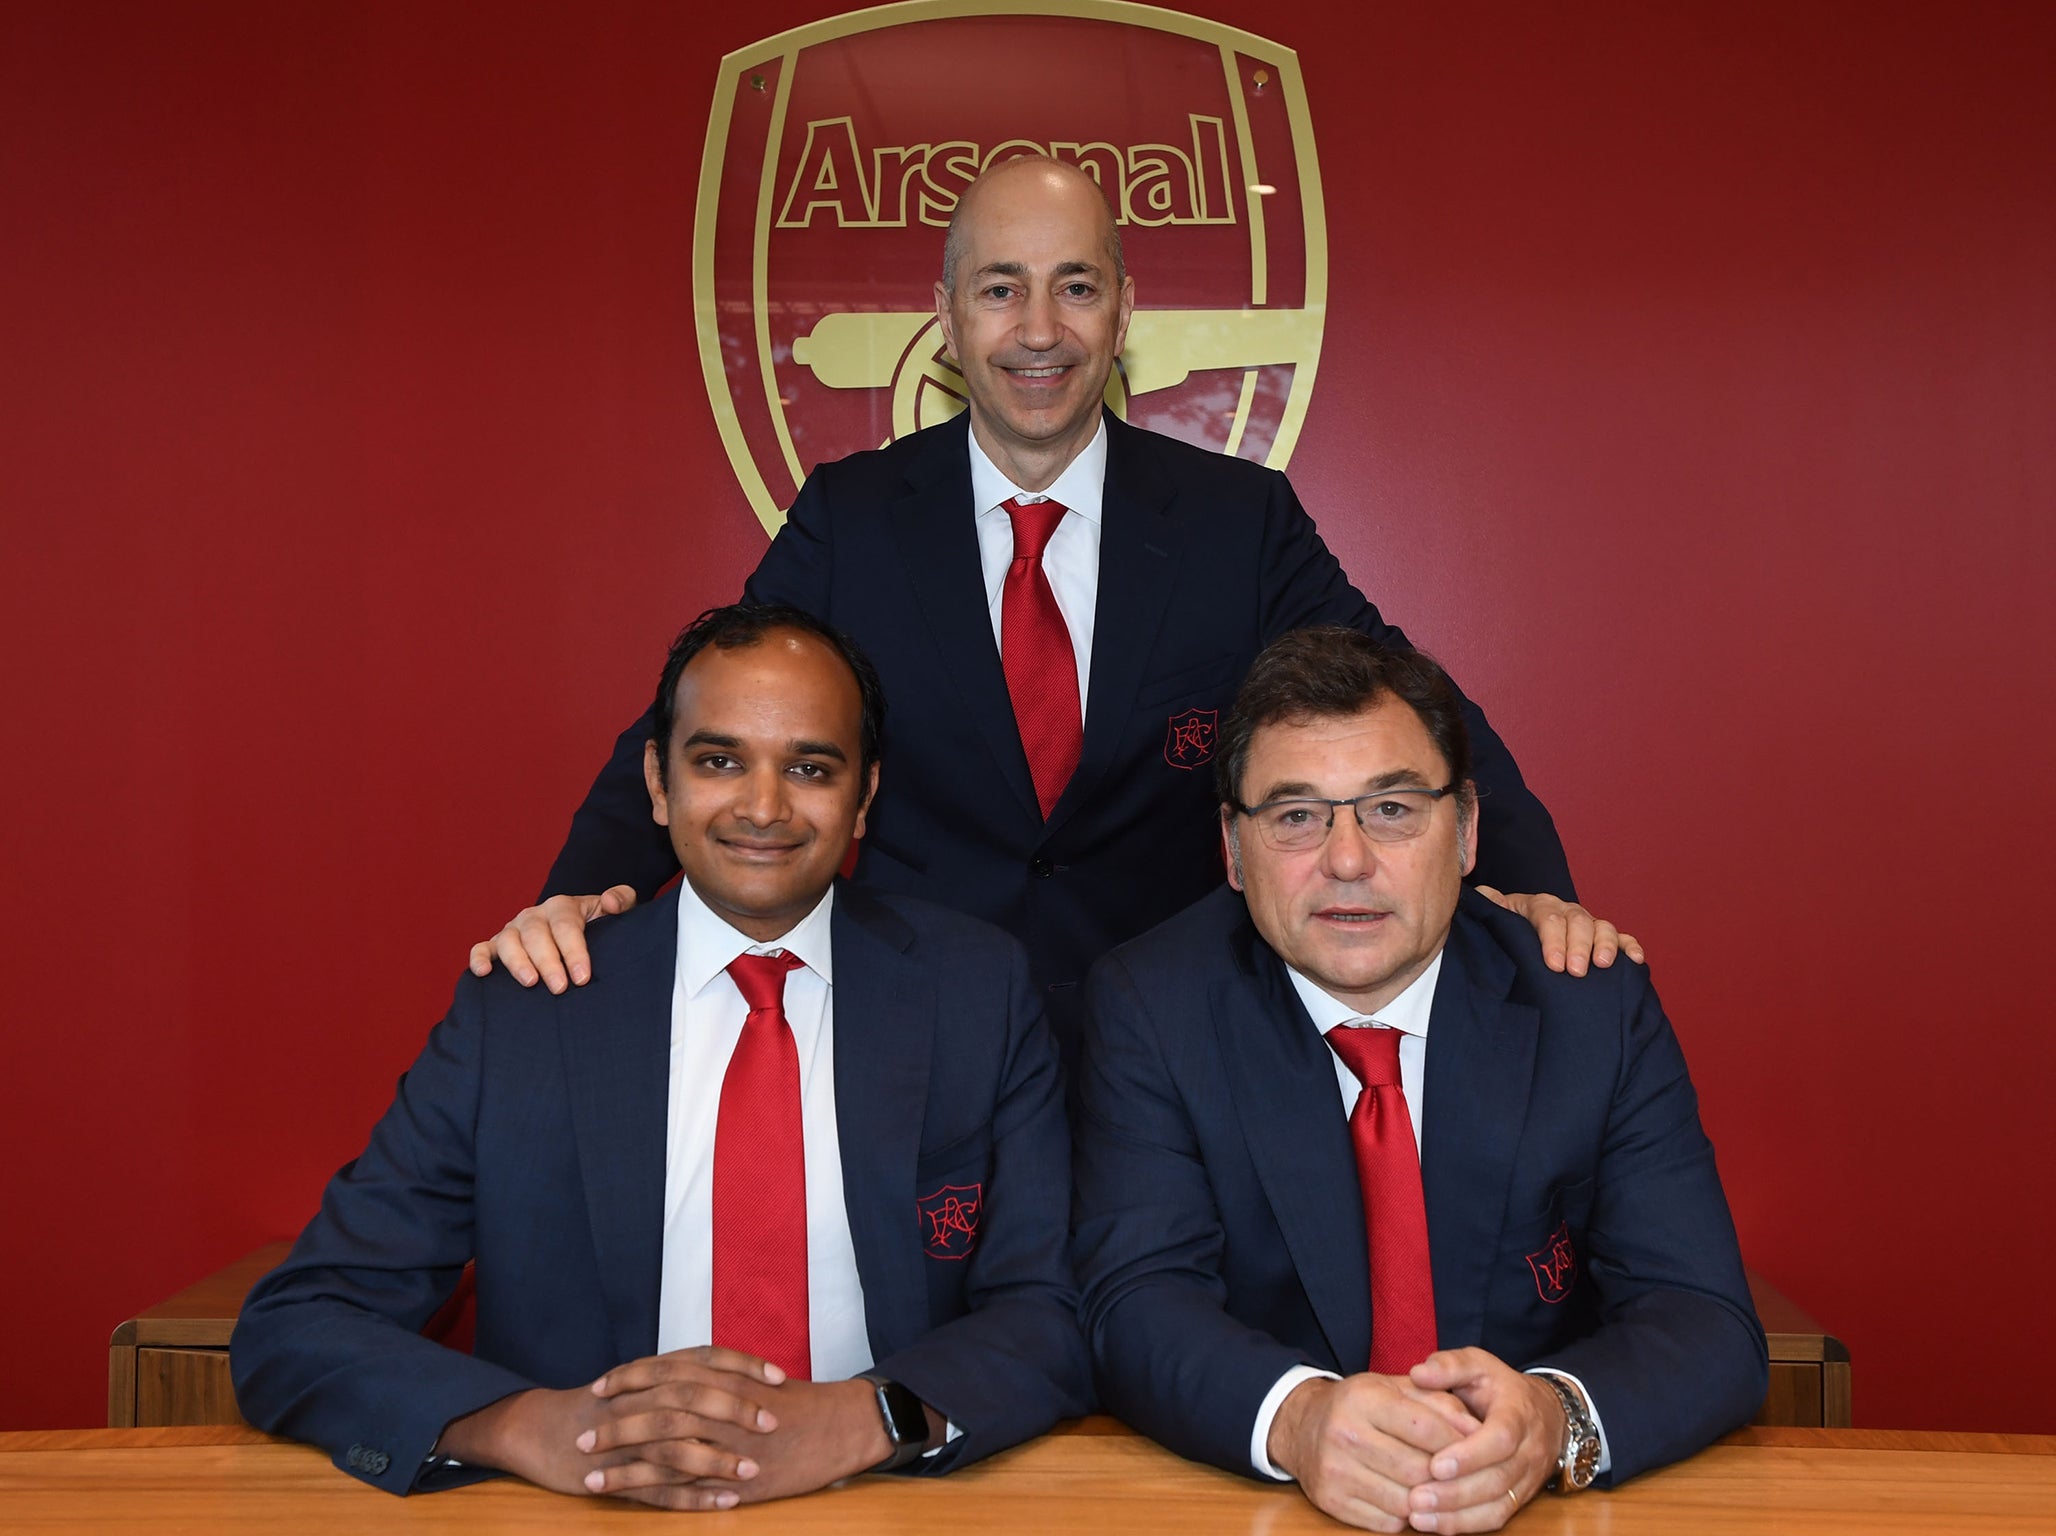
{"x":1688,"y":387}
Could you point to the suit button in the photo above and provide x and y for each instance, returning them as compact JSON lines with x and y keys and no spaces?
{"x":378,"y":1463}
{"x":1041,"y":868}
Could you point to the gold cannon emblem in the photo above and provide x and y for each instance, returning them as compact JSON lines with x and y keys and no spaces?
{"x":835,"y":156}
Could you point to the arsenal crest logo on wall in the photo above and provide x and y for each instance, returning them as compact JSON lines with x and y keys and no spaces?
{"x":835,"y":156}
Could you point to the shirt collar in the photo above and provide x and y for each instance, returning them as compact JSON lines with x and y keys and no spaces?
{"x":1407,"y":1013}
{"x":1080,"y":488}
{"x":707,"y":942}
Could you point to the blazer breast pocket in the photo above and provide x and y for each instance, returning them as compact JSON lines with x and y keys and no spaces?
{"x":1208,"y":677}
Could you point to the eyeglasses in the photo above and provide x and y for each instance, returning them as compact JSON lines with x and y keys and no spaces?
{"x":1386,"y":816}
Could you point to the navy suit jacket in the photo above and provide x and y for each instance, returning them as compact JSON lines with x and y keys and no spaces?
{"x":1203,"y":561}
{"x":1219,"y":1226}
{"x":531,"y":1133}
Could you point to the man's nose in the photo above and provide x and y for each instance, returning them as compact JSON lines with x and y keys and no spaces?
{"x":764,"y":799}
{"x":1039,"y":327}
{"x":1348,"y":854}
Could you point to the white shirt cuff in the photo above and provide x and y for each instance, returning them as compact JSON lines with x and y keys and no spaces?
{"x":1605,"y":1463}
{"x":949,"y":1432}
{"x":1267,"y":1411}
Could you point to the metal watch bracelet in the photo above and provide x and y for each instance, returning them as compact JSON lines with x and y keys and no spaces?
{"x":1578,"y":1462}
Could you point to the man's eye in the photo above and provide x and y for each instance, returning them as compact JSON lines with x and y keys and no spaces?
{"x":1295,"y":815}
{"x":718,"y":762}
{"x":1391,"y":810}
{"x":1000,"y":291}
{"x":1079,"y":290}
{"x":808,"y":771}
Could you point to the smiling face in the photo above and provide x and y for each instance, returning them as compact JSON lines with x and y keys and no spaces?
{"x":1034,"y":314}
{"x":764,"y":786}
{"x":1359,"y":919}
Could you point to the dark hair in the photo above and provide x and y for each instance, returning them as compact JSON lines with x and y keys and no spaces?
{"x":1321,"y":673}
{"x":745,"y":624}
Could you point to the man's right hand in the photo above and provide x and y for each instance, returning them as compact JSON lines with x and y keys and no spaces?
{"x":542,"y":1435}
{"x":547,"y":943}
{"x":1359,"y":1446}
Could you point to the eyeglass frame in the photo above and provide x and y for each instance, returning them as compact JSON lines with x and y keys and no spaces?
{"x":1354,"y":802}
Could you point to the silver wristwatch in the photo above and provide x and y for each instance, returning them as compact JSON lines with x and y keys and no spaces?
{"x":1578,"y":1463}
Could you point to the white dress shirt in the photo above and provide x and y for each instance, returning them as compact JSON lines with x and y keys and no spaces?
{"x":1070,"y":559}
{"x":707,"y":1014}
{"x":1408,"y":1013}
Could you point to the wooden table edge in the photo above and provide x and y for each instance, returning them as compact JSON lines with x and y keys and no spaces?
{"x":1770,"y":1437}
{"x":161,"y":1437}
{"x":1793,"y":1437}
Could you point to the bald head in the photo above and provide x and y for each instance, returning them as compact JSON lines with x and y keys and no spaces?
{"x":1034,"y":309}
{"x":1022,"y":185}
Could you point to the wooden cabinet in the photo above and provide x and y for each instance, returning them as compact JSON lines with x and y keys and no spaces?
{"x":1809,"y":1367}
{"x":169,"y":1365}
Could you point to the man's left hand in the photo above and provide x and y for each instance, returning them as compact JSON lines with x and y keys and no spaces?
{"x":1513,"y":1452}
{"x":1572,"y":939}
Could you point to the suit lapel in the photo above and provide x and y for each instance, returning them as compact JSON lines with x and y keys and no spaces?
{"x":1481,"y":1066}
{"x":885,"y":1022}
{"x":938,"y":545}
{"x":616,"y":1041}
{"x":1278,"y":1066}
{"x":1136,"y":560}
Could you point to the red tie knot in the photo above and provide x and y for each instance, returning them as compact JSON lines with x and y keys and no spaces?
{"x":1034,"y":522}
{"x":761,"y":979}
{"x":1371,"y":1053}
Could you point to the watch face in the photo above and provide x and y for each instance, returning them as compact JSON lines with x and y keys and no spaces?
{"x":1584,"y":1464}
{"x":1580,"y":1460}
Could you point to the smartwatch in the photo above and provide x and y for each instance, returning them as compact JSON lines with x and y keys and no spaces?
{"x":906,"y":1421}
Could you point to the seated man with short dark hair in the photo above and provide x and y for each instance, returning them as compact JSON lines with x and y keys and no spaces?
{"x":1368,"y":1196}
{"x":779,"y":1198}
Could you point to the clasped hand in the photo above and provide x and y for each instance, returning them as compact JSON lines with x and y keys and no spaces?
{"x":694,"y":1429}
{"x":1440,"y":1449}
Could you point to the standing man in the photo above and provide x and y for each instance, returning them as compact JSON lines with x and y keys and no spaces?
{"x":781,"y":1197}
{"x":1061,"y":605}
{"x":1368,"y":1195}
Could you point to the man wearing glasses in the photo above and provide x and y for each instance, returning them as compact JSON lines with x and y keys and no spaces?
{"x":1368,"y":1197}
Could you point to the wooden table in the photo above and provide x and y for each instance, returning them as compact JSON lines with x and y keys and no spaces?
{"x":1095,"y":1476}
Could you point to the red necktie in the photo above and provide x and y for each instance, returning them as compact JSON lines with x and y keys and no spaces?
{"x":1389,"y":1169}
{"x":1035,"y":651}
{"x":760,"y":1180}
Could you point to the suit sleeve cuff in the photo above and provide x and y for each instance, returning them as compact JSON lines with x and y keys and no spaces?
{"x":1605,"y":1463}
{"x":950,"y":1433}
{"x":1267,"y":1412}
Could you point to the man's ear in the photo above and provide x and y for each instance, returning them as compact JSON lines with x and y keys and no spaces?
{"x":1231,"y":848}
{"x":943,"y":318}
{"x":864,"y":805}
{"x":653,"y":780}
{"x":1467,"y":828}
{"x":1127,"y":312}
